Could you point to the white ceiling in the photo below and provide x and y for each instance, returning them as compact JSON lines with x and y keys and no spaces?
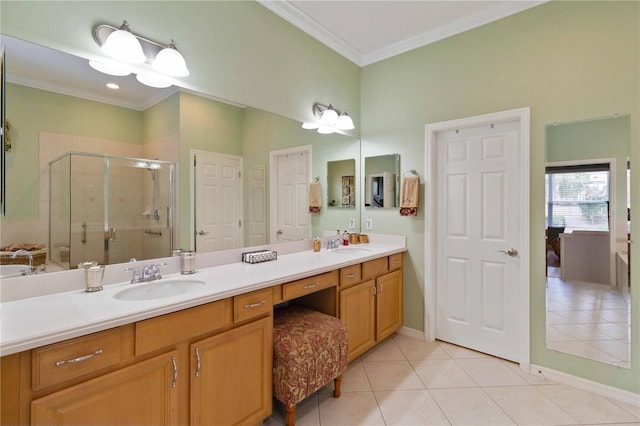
{"x":368,"y":31}
{"x":363,"y":31}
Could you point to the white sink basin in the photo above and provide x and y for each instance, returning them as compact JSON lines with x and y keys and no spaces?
{"x":352,"y":250}
{"x":8,"y":271}
{"x":158,"y":289}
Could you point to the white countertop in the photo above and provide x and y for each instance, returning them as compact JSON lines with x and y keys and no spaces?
{"x":36,"y":321}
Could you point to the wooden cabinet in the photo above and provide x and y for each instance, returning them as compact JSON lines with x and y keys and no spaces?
{"x":232,"y":376}
{"x":372,"y":309}
{"x":145,"y":393}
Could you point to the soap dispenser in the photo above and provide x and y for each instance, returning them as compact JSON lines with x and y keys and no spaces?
{"x":345,"y":238}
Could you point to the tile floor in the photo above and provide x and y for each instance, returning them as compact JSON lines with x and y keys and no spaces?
{"x":588,"y":320}
{"x":404,"y":381}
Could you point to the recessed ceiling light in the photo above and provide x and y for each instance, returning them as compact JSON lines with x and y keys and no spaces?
{"x":113,"y":86}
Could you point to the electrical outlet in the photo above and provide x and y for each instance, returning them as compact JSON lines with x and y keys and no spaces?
{"x":352,"y":223}
{"x":369,"y":224}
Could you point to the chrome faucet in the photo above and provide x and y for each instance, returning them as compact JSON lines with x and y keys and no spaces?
{"x":28,"y":254}
{"x":146,"y":274}
{"x":334,"y":243}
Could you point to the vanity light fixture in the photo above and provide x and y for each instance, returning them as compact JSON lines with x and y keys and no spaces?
{"x":127,"y":49}
{"x":329,"y":120}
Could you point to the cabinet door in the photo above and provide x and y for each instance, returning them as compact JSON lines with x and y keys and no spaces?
{"x":145,"y":393}
{"x":388,"y":304}
{"x":231,"y":376}
{"x":357,"y":312}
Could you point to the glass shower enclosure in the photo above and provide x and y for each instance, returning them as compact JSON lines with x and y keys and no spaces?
{"x":109,"y":209}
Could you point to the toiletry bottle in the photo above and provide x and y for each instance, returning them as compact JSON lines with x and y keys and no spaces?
{"x":345,"y":238}
{"x":316,"y":244}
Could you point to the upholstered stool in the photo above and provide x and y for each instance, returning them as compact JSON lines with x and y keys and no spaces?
{"x":309,"y":351}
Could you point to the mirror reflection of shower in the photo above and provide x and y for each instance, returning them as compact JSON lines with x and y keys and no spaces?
{"x":153,"y":212}
{"x":110,"y":209}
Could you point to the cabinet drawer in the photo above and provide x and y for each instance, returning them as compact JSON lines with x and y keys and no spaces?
{"x":251,"y":305}
{"x":76,"y":357}
{"x":373,"y":268}
{"x":309,"y":285}
{"x":167,"y":330}
{"x":395,"y":261}
{"x":350,"y":275}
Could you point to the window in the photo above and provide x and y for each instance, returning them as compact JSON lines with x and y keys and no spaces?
{"x":577,"y":197}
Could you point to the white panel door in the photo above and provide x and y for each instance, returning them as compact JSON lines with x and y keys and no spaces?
{"x":292,"y":187}
{"x":218,"y":202}
{"x":478,"y":218}
{"x":257,"y":205}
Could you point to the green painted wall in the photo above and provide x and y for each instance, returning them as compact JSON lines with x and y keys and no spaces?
{"x":567,"y":61}
{"x":235,"y":50}
{"x":31,"y":111}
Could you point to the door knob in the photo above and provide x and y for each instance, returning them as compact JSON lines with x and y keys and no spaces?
{"x":201,"y":232}
{"x":511,"y":252}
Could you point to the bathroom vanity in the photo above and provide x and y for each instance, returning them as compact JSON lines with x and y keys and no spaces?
{"x":202,"y":357}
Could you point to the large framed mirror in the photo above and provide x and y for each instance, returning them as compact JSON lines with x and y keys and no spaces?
{"x":382,"y":181}
{"x":165,"y":124}
{"x":587,"y":204}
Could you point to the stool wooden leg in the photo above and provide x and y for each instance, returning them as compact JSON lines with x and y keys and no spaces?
{"x":291,"y":416}
{"x":337,"y":382}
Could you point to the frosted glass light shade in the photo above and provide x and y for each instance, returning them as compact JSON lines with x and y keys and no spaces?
{"x":310,"y":126}
{"x":124,"y":46}
{"x":153,"y":81}
{"x":169,"y":61}
{"x":329,"y":116}
{"x":345,"y":122}
{"x":326,"y":130}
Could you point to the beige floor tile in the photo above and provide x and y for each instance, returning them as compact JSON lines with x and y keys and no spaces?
{"x":442,"y":373}
{"x":385,"y":351}
{"x":418,"y":349}
{"x":410,"y":407}
{"x":633,"y":409}
{"x":307,"y":413}
{"x":583,"y":350}
{"x":490,"y":372}
{"x":615,"y":348}
{"x":392,"y":375}
{"x":352,"y":408}
{"x":527,"y":406}
{"x":532,"y":378}
{"x":469,"y":406}
{"x":586,"y":407}
{"x":580,"y":331}
{"x":354,"y":379}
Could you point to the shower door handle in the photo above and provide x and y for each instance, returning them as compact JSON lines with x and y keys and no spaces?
{"x":112,"y":234}
{"x":84,"y":233}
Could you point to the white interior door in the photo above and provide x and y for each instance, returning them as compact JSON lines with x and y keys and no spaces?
{"x":289,"y":195}
{"x":478,"y":237}
{"x":218,"y":201}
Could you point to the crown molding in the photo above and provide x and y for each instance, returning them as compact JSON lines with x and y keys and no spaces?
{"x":304,"y":22}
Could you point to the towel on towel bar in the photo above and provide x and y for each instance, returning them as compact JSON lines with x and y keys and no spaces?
{"x":315,"y":197}
{"x":409,"y":196}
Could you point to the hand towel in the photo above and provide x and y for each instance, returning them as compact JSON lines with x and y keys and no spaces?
{"x":315,"y":197}
{"x":409,"y":196}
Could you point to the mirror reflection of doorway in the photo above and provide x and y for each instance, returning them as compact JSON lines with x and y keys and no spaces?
{"x":587,"y":198}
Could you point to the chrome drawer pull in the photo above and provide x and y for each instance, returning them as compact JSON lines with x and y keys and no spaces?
{"x":306,"y":287}
{"x":79,"y":359}
{"x":396,"y":261}
{"x":254,"y":305}
{"x":198,"y":362}
{"x":175,"y":371}
{"x":351,"y":275}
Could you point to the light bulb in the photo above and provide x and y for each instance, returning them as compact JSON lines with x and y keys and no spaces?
{"x":329,"y":116}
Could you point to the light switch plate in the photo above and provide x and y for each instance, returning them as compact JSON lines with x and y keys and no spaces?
{"x":352,"y":223}
{"x":369,"y":224}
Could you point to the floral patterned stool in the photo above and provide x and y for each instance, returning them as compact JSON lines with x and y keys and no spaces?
{"x":309,"y":350}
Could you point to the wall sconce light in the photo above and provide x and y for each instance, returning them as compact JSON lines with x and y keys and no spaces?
{"x":125,"y":47}
{"x":329,"y":120}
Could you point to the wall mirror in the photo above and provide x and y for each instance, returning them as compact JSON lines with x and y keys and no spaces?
{"x":341,"y":183}
{"x":587,"y":200}
{"x":382,"y":181}
{"x":75,"y":119}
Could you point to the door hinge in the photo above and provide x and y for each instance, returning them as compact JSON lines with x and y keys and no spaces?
{"x":240,"y":223}
{"x":239,"y":174}
{"x":194,"y":161}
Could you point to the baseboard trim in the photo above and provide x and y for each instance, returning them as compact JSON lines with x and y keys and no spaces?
{"x":607,"y":391}
{"x":412,"y":332}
